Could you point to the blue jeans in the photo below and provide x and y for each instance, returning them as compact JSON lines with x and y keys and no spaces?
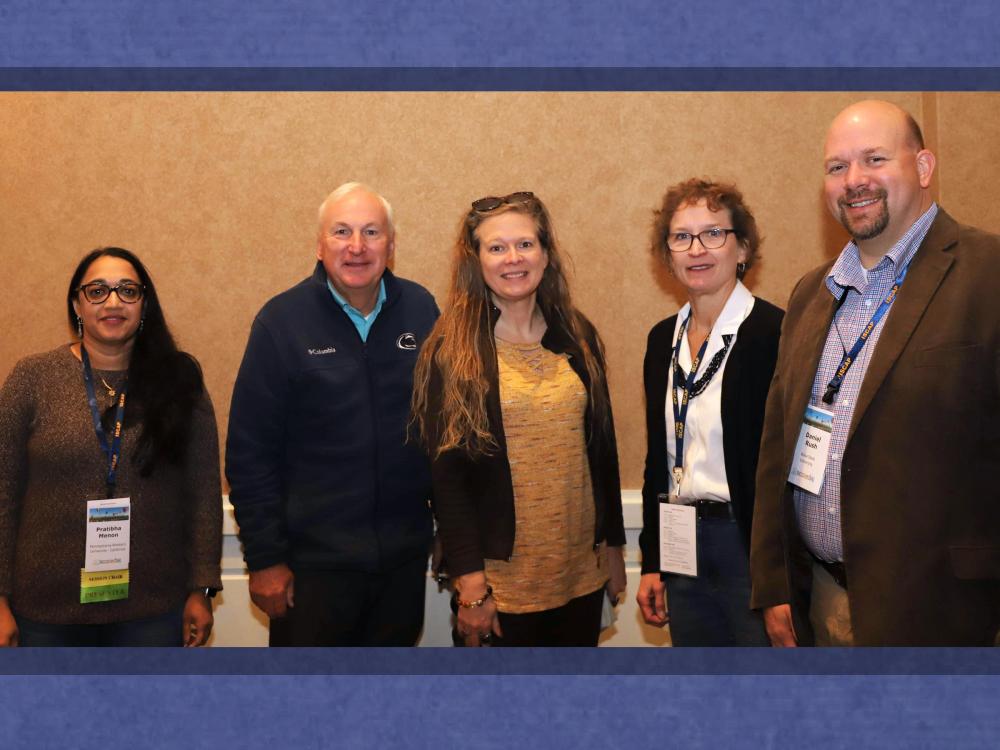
{"x":163,"y":630}
{"x":714,"y":608}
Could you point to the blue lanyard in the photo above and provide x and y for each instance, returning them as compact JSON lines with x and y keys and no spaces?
{"x":833,"y":387}
{"x":681,"y":409}
{"x":114,"y":450}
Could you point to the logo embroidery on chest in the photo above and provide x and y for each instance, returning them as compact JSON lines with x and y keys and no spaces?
{"x":317,"y":352}
{"x":407,"y":341}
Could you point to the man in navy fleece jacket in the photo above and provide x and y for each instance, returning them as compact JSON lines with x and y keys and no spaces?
{"x":331,"y":499}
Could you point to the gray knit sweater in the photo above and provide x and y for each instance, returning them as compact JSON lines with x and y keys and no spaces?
{"x":51,"y":463}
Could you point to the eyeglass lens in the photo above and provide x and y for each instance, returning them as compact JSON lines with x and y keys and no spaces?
{"x":127,"y":292}
{"x":710,"y":239}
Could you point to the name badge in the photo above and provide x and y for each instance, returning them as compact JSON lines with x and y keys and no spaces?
{"x":104,"y":576}
{"x":812,"y":450}
{"x":678,"y":538}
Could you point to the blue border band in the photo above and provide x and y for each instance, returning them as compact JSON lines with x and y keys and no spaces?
{"x":458,"y":33}
{"x":499,"y":79}
{"x":435,"y":711}
{"x":450,"y":661}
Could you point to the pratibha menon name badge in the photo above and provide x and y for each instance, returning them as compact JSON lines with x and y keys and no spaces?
{"x":104,"y":576}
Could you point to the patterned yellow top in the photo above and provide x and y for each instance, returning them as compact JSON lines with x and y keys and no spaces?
{"x":543,"y":403}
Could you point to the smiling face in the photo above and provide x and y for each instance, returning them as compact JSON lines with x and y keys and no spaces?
{"x":355,"y":244}
{"x":877,"y":176}
{"x":701,"y":271}
{"x":511,"y":257}
{"x":111,"y":323}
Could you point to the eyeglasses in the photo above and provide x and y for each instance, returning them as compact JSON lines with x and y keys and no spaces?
{"x":710,"y":239}
{"x":97,"y":291}
{"x":491,"y":202}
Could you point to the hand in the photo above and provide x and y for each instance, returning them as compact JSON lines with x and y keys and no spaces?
{"x":476,"y":624}
{"x":8,"y":625}
{"x":652,"y":600}
{"x":616,"y":568}
{"x":273,"y":589}
{"x":198,"y":619}
{"x":778,"y":621}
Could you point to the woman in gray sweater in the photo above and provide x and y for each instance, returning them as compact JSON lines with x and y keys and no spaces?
{"x":110,"y":512}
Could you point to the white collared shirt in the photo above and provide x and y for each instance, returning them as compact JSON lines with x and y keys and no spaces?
{"x":704,"y":461}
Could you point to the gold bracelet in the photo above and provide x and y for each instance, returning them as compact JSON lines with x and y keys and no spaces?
{"x":477,"y":602}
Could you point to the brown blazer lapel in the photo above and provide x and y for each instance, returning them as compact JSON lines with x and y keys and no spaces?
{"x":927,"y":270}
{"x":807,"y":350}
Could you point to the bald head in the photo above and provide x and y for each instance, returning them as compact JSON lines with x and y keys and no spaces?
{"x":878,"y":174}
{"x":878,"y":108}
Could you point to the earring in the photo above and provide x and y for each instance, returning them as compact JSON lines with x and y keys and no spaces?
{"x":741,"y":268}
{"x":79,"y":327}
{"x":142,"y":322}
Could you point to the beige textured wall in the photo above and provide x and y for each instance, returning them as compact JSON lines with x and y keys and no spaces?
{"x":968,"y":154}
{"x":217,"y":194}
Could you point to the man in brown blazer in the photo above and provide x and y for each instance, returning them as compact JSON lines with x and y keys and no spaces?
{"x":884,"y":527}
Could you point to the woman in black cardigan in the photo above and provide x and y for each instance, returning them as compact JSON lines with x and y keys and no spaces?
{"x":712,"y":417}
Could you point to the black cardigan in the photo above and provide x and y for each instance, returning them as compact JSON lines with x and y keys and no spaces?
{"x":474,"y":497}
{"x":745,"y":382}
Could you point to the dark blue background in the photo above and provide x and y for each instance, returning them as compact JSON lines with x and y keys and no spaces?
{"x":603,"y":698}
{"x":606,"y":698}
{"x":507,"y":33}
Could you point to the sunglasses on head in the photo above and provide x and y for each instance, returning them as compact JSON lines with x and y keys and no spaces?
{"x":491,"y":202}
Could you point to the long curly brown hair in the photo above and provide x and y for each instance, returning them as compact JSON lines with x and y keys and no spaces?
{"x":462,"y":349}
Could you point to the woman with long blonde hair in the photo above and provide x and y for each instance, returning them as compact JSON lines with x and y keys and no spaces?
{"x":511,"y":401}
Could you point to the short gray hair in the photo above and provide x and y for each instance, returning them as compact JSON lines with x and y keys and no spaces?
{"x":354,"y":187}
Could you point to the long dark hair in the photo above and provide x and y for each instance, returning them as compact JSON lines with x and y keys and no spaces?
{"x":164,"y":384}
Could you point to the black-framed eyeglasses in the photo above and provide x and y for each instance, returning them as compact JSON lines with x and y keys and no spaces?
{"x":491,"y":202}
{"x":710,"y":239}
{"x":97,"y":291}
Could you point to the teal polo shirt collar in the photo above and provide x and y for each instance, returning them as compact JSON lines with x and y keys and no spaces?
{"x":361,"y":322}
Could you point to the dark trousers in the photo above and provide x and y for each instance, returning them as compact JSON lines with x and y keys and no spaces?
{"x":164,"y":630}
{"x":714,"y":608}
{"x":576,"y":623}
{"x":346,"y":608}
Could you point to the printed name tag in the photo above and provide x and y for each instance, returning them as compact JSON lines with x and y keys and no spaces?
{"x":678,"y":539}
{"x":812,"y":450}
{"x":104,"y":576}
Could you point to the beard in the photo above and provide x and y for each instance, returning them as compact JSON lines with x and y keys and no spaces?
{"x":865,"y":227}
